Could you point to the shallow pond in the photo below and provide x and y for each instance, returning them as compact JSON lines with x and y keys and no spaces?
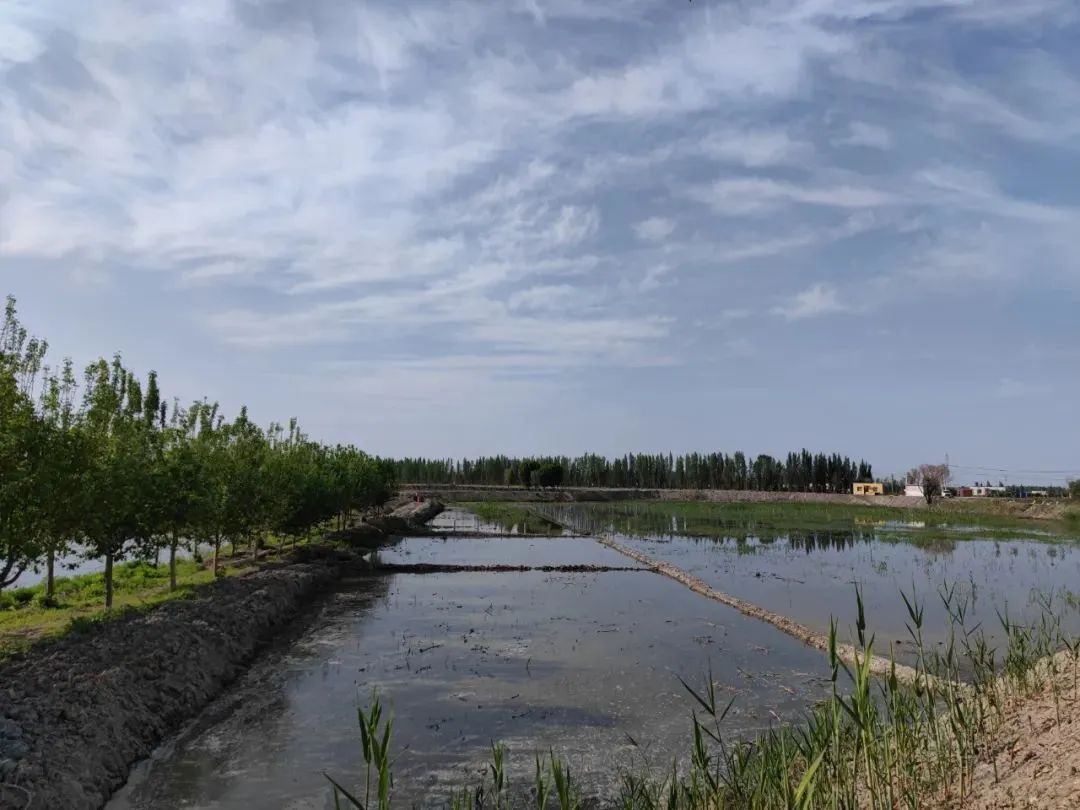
{"x":811,"y":575}
{"x":580,"y":663}
{"x":480,"y":550}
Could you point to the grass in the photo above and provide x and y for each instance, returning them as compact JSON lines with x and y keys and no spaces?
{"x":875,"y":744}
{"x":26,"y":616}
{"x":507,"y":516}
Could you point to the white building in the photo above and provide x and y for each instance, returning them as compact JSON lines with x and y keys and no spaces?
{"x":983,"y":492}
{"x":913,"y":491}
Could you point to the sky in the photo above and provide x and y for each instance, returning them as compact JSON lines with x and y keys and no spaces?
{"x":553,"y":226}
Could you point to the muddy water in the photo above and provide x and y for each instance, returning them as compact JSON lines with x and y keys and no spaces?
{"x":811,"y":575}
{"x":576,"y":662}
{"x":503,"y":551}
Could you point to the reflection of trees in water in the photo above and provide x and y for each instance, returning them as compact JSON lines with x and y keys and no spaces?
{"x":643,"y":520}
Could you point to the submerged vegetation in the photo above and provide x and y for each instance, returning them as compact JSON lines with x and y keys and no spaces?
{"x":109,"y":469}
{"x":878,"y":743}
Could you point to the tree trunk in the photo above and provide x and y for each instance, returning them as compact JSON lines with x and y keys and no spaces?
{"x":157,"y":556}
{"x":217,"y":550}
{"x":108,"y":580}
{"x":254,"y":548}
{"x":50,"y":575}
{"x":172,"y":560}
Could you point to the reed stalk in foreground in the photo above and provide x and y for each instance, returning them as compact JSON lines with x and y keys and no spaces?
{"x":875,"y":743}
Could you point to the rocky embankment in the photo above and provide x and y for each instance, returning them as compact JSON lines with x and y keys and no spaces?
{"x":77,"y":712}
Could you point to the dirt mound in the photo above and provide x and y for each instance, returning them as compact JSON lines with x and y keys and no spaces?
{"x":407,"y":518}
{"x":76,"y":713}
{"x":1035,"y":762}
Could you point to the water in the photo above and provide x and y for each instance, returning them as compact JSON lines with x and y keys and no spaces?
{"x":457,"y":520}
{"x":811,"y":575}
{"x":479,"y":550}
{"x":584,"y":663}
{"x":575,"y":662}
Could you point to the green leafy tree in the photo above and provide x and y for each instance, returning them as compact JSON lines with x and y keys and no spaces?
{"x":183,"y":482}
{"x":119,"y":472}
{"x":527,"y":468}
{"x":22,"y":445}
{"x":212,"y":519}
{"x":61,"y":485}
{"x":550,"y":474}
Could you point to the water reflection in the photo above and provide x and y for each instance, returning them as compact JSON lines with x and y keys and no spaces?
{"x":811,"y":574}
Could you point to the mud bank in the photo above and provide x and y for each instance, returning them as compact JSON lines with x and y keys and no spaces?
{"x":76,"y":713}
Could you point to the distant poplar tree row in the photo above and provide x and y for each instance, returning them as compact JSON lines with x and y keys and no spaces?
{"x":797,"y":472}
{"x":108,"y":468}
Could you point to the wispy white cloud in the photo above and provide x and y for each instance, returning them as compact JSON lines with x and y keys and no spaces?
{"x":654,"y":229}
{"x":813,"y":302}
{"x":756,"y":147}
{"x":861,"y":133}
{"x":656,"y":277}
{"x":759,"y":195}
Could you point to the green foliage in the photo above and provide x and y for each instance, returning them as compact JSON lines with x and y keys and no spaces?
{"x":115,"y":474}
{"x":550,"y":474}
{"x":798,"y":472}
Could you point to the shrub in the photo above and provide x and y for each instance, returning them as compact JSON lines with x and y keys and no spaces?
{"x":46,"y":602}
{"x":23,"y":596}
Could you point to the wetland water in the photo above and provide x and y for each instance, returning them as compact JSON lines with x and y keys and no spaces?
{"x":582,"y":663}
{"x":574,"y":662}
{"x":810,"y":574}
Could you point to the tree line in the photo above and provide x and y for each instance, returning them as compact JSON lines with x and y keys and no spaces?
{"x":107,"y":468}
{"x":801,"y":471}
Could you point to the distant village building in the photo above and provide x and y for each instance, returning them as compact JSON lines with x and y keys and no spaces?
{"x":964,"y":492}
{"x":913,"y":491}
{"x":985,"y":492}
{"x":868,"y":488}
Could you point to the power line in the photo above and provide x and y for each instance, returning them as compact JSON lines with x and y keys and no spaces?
{"x":1014,"y":471}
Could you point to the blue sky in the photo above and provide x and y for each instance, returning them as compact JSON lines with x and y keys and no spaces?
{"x":462,"y":227}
